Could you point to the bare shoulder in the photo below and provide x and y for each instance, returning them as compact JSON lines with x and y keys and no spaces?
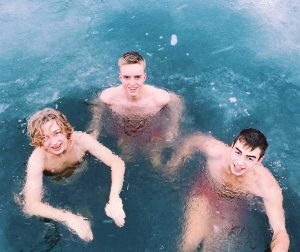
{"x":82,"y":139}
{"x":160,"y":96}
{"x":108,"y":95}
{"x":36,"y":161}
{"x":268,"y":185}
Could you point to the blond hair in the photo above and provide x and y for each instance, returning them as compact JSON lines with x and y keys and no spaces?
{"x":131,"y":58}
{"x":38,"y":119}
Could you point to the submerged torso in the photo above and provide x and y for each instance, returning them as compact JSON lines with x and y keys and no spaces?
{"x":144,"y":128}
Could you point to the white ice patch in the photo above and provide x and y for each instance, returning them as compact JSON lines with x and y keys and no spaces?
{"x":228,"y":48}
{"x":232,"y":99}
{"x":3,"y":107}
{"x":182,"y":7}
{"x":174,"y":40}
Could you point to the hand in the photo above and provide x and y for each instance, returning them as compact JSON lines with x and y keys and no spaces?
{"x":80,"y":226}
{"x":114,"y":210}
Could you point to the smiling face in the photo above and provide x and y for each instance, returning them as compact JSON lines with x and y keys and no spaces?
{"x":54,"y":140}
{"x":132,"y":77}
{"x":243,"y":158}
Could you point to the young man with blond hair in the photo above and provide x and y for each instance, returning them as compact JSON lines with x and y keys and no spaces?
{"x":137,"y":106}
{"x":59,"y":150}
{"x":232,"y":172}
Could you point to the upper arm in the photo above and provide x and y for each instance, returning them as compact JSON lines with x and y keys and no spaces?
{"x":161,"y":97}
{"x":34,"y":178}
{"x":97,"y":149}
{"x":273,"y":204}
{"x":210,"y":146}
{"x":107,"y":95}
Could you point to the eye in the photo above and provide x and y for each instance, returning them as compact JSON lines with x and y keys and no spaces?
{"x":138,"y":77}
{"x":250,"y":159}
{"x":237,"y":152}
{"x":126,"y":77}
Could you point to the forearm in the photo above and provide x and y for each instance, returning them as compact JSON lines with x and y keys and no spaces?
{"x":46,"y":211}
{"x":117,"y":178}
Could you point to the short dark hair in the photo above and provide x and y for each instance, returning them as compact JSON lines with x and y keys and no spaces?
{"x":254,"y":139}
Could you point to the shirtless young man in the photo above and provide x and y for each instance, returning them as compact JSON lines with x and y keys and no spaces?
{"x":57,"y":148}
{"x":137,"y":103}
{"x":237,"y":170}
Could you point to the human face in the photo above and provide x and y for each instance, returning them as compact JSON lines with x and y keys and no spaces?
{"x":132,"y":77}
{"x":55,"y":141}
{"x":243,"y":158}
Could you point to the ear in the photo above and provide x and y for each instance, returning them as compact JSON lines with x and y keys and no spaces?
{"x":145,"y":76}
{"x":120,"y":77}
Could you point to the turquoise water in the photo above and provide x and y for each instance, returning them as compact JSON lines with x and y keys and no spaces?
{"x":236,"y":64}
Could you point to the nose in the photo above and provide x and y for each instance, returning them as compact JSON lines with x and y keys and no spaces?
{"x":132,"y":81}
{"x":54,"y":140}
{"x":240,"y":161}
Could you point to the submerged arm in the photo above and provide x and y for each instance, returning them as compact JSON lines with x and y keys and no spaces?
{"x":33,"y":205}
{"x":176,"y":108}
{"x":97,"y":110}
{"x":208,"y":145}
{"x":275,"y":213}
{"x":114,"y":208}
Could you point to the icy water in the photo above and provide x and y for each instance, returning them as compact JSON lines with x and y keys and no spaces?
{"x":235,"y":64}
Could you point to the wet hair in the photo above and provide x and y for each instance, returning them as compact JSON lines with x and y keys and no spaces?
{"x":132,"y":58}
{"x":254,"y":139}
{"x":38,"y":119}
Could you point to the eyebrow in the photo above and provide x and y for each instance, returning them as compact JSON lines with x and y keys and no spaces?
{"x":246,"y":155}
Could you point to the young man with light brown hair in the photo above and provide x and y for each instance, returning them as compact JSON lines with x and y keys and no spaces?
{"x":59,"y":150}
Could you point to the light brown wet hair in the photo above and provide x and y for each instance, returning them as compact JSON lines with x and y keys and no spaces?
{"x":131,"y":58}
{"x":35,"y":122}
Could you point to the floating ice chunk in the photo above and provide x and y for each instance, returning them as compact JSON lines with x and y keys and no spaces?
{"x":173,"y":39}
{"x":107,"y":221}
{"x":161,"y":37}
{"x":160,"y":49}
{"x":187,"y":54}
{"x":146,"y":33}
{"x":149,"y":54}
{"x":232,"y":99}
{"x":132,"y":17}
{"x":111,"y":29}
{"x":246,"y":112}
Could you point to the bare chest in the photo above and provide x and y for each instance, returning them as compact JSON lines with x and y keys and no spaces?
{"x":58,"y":164}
